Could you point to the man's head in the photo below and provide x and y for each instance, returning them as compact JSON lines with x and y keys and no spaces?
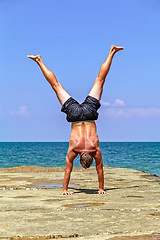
{"x":86,"y":159}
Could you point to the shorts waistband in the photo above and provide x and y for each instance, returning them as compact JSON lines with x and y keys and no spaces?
{"x":84,"y":121}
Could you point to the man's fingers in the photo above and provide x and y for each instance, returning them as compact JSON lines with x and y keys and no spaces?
{"x":68,"y":193}
{"x":103,"y":192}
{"x":97,"y":192}
{"x":65,"y":193}
{"x":100,"y":192}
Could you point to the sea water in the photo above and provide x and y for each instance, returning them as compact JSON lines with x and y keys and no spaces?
{"x":143,"y":156}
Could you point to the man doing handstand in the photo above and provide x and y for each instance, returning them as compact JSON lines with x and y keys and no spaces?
{"x":83,"y":139}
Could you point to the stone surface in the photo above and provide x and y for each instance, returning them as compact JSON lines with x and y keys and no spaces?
{"x":32,"y":205}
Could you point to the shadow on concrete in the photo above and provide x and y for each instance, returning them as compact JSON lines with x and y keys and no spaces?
{"x":90,"y":191}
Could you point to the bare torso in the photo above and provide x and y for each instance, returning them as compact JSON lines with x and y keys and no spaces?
{"x":84,"y":137}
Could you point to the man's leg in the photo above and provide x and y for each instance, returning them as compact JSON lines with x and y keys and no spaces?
{"x":61,"y":93}
{"x":97,"y":88}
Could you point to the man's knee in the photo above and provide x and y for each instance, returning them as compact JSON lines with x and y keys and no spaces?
{"x":100,"y":79}
{"x":56,"y":86}
{"x":99,"y":82}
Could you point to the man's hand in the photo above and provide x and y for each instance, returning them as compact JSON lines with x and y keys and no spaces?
{"x":101,"y":191}
{"x":66,"y":192}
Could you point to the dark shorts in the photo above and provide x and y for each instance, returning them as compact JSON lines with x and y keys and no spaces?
{"x":85,"y":111}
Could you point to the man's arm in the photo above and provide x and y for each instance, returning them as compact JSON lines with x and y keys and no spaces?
{"x":71,"y":155}
{"x":99,"y":168}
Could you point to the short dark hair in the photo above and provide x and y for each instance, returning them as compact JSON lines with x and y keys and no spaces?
{"x":86,"y":159}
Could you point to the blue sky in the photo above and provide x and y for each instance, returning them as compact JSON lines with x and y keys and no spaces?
{"x":74,"y":38}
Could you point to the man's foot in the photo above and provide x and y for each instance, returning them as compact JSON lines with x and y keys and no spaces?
{"x":115,"y":49}
{"x":36,"y":58}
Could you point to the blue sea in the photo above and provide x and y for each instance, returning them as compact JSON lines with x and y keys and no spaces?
{"x":143,"y":156}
